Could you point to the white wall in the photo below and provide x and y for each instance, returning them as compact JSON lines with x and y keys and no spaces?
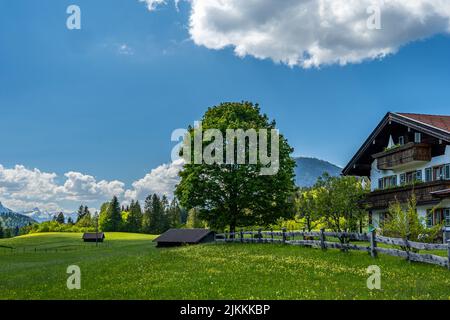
{"x":376,"y":174}
{"x":421,"y":210}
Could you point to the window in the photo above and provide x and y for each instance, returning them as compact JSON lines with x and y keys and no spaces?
{"x":437,"y":217}
{"x":429,"y":218}
{"x":387,"y":182}
{"x":402,"y":179}
{"x":419,"y":175}
{"x":401,"y":140}
{"x":417,"y":137}
{"x":447,"y":217}
{"x":438,"y":173}
{"x":393,"y":181}
{"x":380,"y":184}
{"x":447,"y":172}
{"x":428,"y":175}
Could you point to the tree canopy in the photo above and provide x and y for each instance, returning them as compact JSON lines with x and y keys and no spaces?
{"x":230,"y":194}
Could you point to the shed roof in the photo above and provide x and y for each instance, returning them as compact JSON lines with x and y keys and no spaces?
{"x":93,"y":235}
{"x":183,"y":235}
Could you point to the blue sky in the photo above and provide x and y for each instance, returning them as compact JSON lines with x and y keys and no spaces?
{"x":104,"y":100}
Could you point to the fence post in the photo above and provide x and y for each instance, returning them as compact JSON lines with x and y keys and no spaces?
{"x":259,"y":235}
{"x":322,"y":239}
{"x":284,"y":235}
{"x":242,"y":236}
{"x":448,"y":254}
{"x":407,"y":248}
{"x":373,"y":244}
{"x":271,"y":232}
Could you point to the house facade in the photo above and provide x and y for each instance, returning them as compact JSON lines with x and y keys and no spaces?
{"x":407,"y":154}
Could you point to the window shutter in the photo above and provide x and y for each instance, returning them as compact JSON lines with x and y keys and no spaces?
{"x":419,"y":175}
{"x":447,"y":172}
{"x":447,"y":217}
{"x":393,"y":181}
{"x":429,"y":218}
{"x":403,"y":178}
{"x":428,"y":175}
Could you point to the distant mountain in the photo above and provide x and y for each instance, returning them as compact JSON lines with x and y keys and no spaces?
{"x":11,"y":219}
{"x":42,"y":216}
{"x":309,"y":169}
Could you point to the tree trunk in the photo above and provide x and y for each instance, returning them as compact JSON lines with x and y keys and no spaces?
{"x":232,"y":230}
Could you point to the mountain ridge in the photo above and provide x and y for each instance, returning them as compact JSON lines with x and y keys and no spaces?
{"x":309,"y":169}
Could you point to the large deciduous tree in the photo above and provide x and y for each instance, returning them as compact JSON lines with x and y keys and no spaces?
{"x":235,"y":194}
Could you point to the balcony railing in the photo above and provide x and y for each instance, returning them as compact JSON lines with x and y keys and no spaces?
{"x":403,"y":155}
{"x":381,"y":199}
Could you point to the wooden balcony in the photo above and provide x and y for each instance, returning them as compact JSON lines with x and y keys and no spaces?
{"x":405,"y":155}
{"x":381,"y":199}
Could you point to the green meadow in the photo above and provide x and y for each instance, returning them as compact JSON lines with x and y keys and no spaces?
{"x":129,"y":266}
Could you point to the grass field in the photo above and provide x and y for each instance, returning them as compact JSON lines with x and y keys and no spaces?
{"x":128,"y":266}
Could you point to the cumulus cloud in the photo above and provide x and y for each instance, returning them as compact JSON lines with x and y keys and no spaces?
{"x":24,"y":188}
{"x":79,"y":186}
{"x":161,"y":180}
{"x":312,"y":33}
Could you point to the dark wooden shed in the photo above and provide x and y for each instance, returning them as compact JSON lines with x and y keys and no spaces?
{"x":93,"y":237}
{"x":178,"y":237}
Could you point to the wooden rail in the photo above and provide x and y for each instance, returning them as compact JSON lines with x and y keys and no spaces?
{"x":318,"y":239}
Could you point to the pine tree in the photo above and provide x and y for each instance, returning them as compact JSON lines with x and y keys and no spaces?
{"x":174,"y":214}
{"x":2,"y":232}
{"x":110,"y":216}
{"x":80,"y":213}
{"x":146,"y":218}
{"x":60,"y":218}
{"x":70,"y":221}
{"x":86,"y":211}
{"x":134,"y":221}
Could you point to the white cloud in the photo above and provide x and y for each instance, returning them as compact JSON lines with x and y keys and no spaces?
{"x":161,"y":180}
{"x":79,"y":187}
{"x":312,"y":33}
{"x":23,"y":188}
{"x":153,"y":4}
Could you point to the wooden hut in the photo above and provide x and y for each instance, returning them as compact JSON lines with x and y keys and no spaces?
{"x":93,"y":237}
{"x":178,"y":237}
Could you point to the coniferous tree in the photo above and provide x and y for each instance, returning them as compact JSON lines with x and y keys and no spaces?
{"x":86,"y":211}
{"x":110,"y":216}
{"x":134,"y":220}
{"x":70,"y":221}
{"x":80,"y":213}
{"x":174,"y":214}
{"x":60,"y":218}
{"x":146,"y":218}
{"x":2,"y":232}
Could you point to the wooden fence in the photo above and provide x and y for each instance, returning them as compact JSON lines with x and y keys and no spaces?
{"x":318,"y":239}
